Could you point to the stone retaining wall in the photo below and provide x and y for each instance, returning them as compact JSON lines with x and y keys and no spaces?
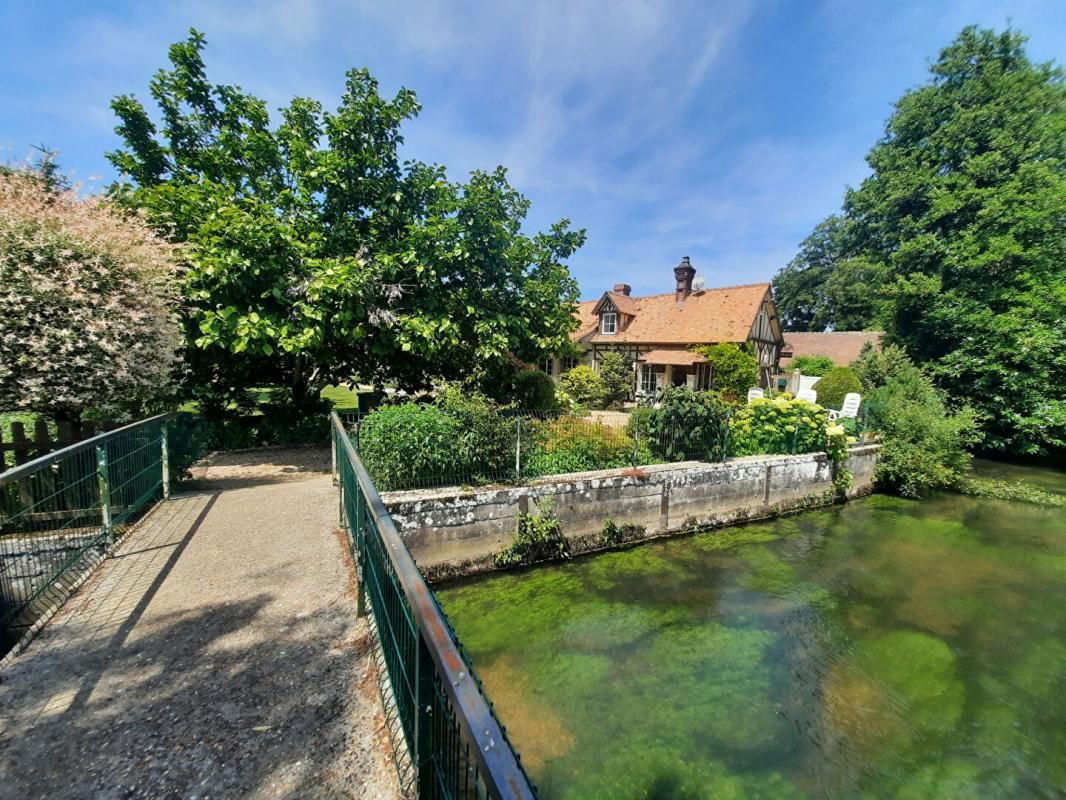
{"x":454,"y":531}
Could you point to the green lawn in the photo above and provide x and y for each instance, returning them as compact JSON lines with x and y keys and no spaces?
{"x":341,"y":398}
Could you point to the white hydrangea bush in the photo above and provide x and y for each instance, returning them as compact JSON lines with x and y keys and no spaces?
{"x":87,"y":304}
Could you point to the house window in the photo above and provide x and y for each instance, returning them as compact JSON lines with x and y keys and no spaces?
{"x":651,"y":377}
{"x":568,"y":364}
{"x":546,"y":367}
{"x":609,"y":322}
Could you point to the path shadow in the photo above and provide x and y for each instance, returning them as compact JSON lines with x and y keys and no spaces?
{"x":221,"y":700}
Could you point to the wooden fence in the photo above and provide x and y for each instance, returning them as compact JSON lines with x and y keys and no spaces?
{"x":17,"y":446}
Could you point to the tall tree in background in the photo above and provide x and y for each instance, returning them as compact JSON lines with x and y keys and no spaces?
{"x":956,"y":243}
{"x":317,"y":256}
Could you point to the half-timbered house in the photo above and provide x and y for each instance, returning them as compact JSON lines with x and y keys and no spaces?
{"x":658,"y":331}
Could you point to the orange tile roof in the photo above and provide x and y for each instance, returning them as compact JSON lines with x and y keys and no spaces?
{"x":705,"y":317}
{"x":678,"y":358}
{"x":841,"y":346}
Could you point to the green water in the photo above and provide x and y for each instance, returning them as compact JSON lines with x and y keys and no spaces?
{"x":886,"y":648}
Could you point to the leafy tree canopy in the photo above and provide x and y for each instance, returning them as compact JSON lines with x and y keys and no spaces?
{"x":316,"y":255}
{"x":956,"y":243}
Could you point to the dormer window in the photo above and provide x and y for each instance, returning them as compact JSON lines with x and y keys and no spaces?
{"x":608,"y":322}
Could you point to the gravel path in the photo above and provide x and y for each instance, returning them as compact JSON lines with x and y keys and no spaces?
{"x":216,"y":656}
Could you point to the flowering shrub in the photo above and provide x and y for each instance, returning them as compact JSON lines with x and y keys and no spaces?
{"x":86,"y":305}
{"x":767,"y":426}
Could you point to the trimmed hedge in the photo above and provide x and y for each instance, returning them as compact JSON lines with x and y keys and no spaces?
{"x":836,"y":383}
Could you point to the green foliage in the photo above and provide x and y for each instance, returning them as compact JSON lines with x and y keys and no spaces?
{"x":401,"y":441}
{"x":538,"y":538}
{"x":734,"y":369}
{"x":838,"y":382}
{"x":874,"y":367}
{"x":686,"y":426}
{"x":316,"y":254}
{"x":585,"y":386}
{"x":616,"y":372}
{"x":828,"y":283}
{"x":615,"y":535}
{"x":574,"y":444}
{"x":534,"y":391}
{"x":777,"y":426}
{"x":1016,"y":491}
{"x":956,"y":241}
{"x":813,"y":365}
{"x":188,"y":438}
{"x":923,"y":444}
{"x":87,"y":319}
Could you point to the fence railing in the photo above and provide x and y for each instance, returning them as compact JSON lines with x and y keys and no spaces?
{"x":456,"y":745}
{"x":61,"y":512}
{"x":17,"y":445}
{"x":459,"y":448}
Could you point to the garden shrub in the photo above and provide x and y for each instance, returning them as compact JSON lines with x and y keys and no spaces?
{"x":398,"y":443}
{"x":812,"y":365}
{"x":734,"y":369}
{"x":616,"y":372}
{"x":687,"y":425}
{"x":574,"y":444}
{"x":873,"y":367}
{"x":534,"y":390}
{"x":538,"y":538}
{"x":778,"y":426}
{"x":836,"y":383}
{"x":462,"y":438}
{"x":923,"y":444}
{"x":585,"y":386}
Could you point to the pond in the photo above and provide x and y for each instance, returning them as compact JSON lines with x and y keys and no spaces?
{"x":884,"y":648}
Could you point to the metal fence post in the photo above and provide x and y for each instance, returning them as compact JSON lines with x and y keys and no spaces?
{"x":518,"y":449}
{"x":165,"y":460}
{"x":104,"y":487}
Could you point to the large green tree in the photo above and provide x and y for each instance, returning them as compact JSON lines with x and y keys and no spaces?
{"x":317,"y":255}
{"x":956,"y":243}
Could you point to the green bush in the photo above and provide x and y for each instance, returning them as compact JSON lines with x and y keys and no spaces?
{"x":686,"y":426}
{"x":585,"y":386}
{"x":923,"y":444}
{"x":616,"y":372}
{"x":873,"y":367}
{"x":462,"y":438}
{"x":534,"y":390}
{"x":813,"y":365}
{"x":836,"y":383}
{"x":734,"y":369}
{"x":777,"y":426}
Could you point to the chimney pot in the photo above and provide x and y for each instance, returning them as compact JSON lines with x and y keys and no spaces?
{"x":683,"y":274}
{"x":622,"y":288}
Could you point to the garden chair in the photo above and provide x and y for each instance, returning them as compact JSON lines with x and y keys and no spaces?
{"x":850,"y":409}
{"x":755,"y":393}
{"x":809,"y":395}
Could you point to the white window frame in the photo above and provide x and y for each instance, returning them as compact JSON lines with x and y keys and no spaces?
{"x":566,"y":364}
{"x":611,"y":316}
{"x":651,"y":378}
{"x":547,"y":366}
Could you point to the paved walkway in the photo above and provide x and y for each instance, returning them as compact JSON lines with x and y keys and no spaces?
{"x":217,"y":655}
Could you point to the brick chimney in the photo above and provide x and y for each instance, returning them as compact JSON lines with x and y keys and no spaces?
{"x":683,"y":274}
{"x":622,"y":288}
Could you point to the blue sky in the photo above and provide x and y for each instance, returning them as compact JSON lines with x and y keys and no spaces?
{"x":719,"y":130}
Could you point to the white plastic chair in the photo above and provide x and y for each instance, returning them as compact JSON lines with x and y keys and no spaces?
{"x":809,"y":395}
{"x":850,"y":409}
{"x":755,"y":393}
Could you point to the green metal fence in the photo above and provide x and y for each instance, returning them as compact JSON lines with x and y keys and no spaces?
{"x":62,"y":512}
{"x":456,"y":746}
